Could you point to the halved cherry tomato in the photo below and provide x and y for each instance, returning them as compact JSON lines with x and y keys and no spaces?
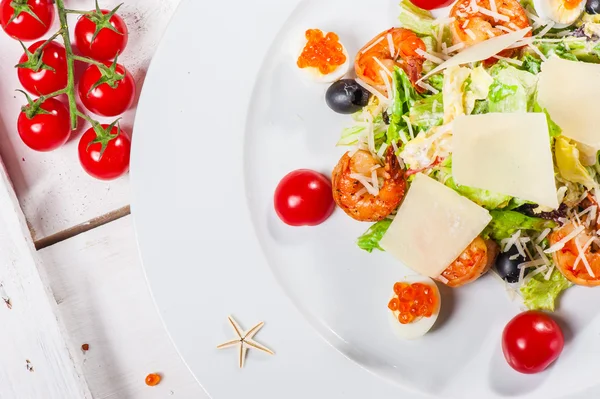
{"x":531,"y":342}
{"x":46,"y":131}
{"x":105,"y":155}
{"x":46,"y":78}
{"x":105,"y":100}
{"x":26,"y":20}
{"x":303,"y":198}
{"x":431,"y":4}
{"x":109,"y":41}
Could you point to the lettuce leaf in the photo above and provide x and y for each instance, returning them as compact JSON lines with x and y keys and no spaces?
{"x":405,"y":97}
{"x":423,"y":115}
{"x":539,"y":294}
{"x":569,"y":165}
{"x":506,"y":223}
{"x":513,"y":89}
{"x":369,"y":241}
{"x":484,"y":198}
{"x":416,"y":19}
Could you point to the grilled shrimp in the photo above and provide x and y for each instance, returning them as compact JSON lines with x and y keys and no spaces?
{"x":354,"y":174}
{"x":568,"y":261}
{"x":394,"y":47}
{"x":473,"y":263}
{"x":473,"y":24}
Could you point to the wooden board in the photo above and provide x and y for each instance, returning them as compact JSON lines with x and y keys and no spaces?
{"x":36,"y":360}
{"x":103,"y":300}
{"x":54,"y":192}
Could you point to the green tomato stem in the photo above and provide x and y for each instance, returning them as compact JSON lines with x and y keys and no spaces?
{"x":75,"y":12}
{"x":89,"y":61}
{"x":70,"y":89}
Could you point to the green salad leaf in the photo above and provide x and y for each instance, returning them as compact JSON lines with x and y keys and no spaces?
{"x":370,"y":240}
{"x":416,"y":19}
{"x":532,"y":64}
{"x":423,"y":115}
{"x":404,"y":99}
{"x":513,"y":89}
{"x":506,"y":223}
{"x":569,"y":164}
{"x":541,"y":294}
{"x":484,"y":198}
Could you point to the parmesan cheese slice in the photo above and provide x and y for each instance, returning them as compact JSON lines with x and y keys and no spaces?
{"x":481,"y":51}
{"x":569,"y":91}
{"x":433,"y":227}
{"x":505,"y":153}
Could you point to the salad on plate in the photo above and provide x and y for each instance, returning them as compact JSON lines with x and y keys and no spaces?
{"x":472,"y":129}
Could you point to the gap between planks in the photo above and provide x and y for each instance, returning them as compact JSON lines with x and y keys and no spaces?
{"x":82,"y":228}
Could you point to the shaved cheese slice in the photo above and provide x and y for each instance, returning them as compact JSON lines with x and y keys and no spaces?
{"x":481,"y":51}
{"x":431,"y":214}
{"x":572,"y":104}
{"x":494,"y":152}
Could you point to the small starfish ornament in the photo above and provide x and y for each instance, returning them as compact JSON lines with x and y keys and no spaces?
{"x":245,"y":340}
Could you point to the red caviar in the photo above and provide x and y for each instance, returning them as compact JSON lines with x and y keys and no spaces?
{"x":412,"y":301}
{"x":153,"y":379}
{"x":324,"y":52}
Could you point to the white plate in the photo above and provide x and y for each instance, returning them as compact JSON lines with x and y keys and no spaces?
{"x":224,"y":115}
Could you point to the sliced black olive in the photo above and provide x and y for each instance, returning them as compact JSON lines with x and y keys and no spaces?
{"x":592,"y":7}
{"x":346,"y":96}
{"x":386,"y":117}
{"x":507,"y":268}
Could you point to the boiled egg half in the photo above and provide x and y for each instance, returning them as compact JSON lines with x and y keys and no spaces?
{"x":414,"y":307}
{"x":323,"y":51}
{"x":562,"y":12}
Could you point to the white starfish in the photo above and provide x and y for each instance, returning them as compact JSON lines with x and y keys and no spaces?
{"x":245,"y":340}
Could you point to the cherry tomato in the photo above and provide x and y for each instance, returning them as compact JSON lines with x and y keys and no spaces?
{"x":32,"y":21}
{"x":111,"y":163}
{"x":431,"y":4}
{"x":531,"y":342}
{"x":105,"y":100}
{"x":44,"y":81}
{"x":107,"y":43}
{"x":303,"y":198}
{"x":46,"y":132}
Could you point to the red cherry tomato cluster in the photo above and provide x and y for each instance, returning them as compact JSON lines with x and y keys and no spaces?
{"x":106,"y":88}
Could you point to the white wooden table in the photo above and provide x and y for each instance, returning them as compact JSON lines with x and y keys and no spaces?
{"x":85,"y":285}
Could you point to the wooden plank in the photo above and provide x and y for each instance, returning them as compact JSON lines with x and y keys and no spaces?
{"x":35,"y":361}
{"x":54,"y":192}
{"x":104,"y":301}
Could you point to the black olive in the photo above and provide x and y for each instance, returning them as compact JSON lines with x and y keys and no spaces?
{"x":386,"y":117}
{"x":592,"y":7}
{"x":346,"y":96}
{"x":507,"y":268}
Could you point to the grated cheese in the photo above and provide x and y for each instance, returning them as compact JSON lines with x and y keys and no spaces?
{"x":462,"y":14}
{"x":493,"y":7}
{"x":583,"y":258}
{"x":473,"y":6}
{"x":511,"y":241}
{"x":470,"y":33}
{"x":549,"y":26}
{"x":560,"y":244}
{"x":365,"y":182}
{"x":391,"y":45}
{"x":374,"y":179}
{"x":382,"y":149}
{"x":519,"y":247}
{"x":439,"y":35}
{"x":444,"y":20}
{"x":506,"y":11}
{"x":503,"y":28}
{"x":410,"y":128}
{"x":535,"y":273}
{"x":372,"y":45}
{"x":533,"y":17}
{"x":542,"y":236}
{"x":514,"y":257}
{"x":360,"y":193}
{"x":490,"y":33}
{"x":542,"y":255}
{"x":549,"y":274}
{"x":497,"y":16}
{"x":385,"y":69}
{"x":454,"y":48}
{"x":443,"y":279}
{"x":372,"y":90}
{"x":428,"y":56}
{"x":387,"y":81}
{"x":533,"y":263}
{"x":509,"y":60}
{"x":429,"y":87}
{"x":466,"y":23}
{"x":512,"y":25}
{"x":538,"y":52}
{"x":521,"y":276}
{"x":434,"y":106}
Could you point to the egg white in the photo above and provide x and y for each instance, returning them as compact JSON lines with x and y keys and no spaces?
{"x":422,"y":326}
{"x":555,"y":11}
{"x":316,"y":76}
